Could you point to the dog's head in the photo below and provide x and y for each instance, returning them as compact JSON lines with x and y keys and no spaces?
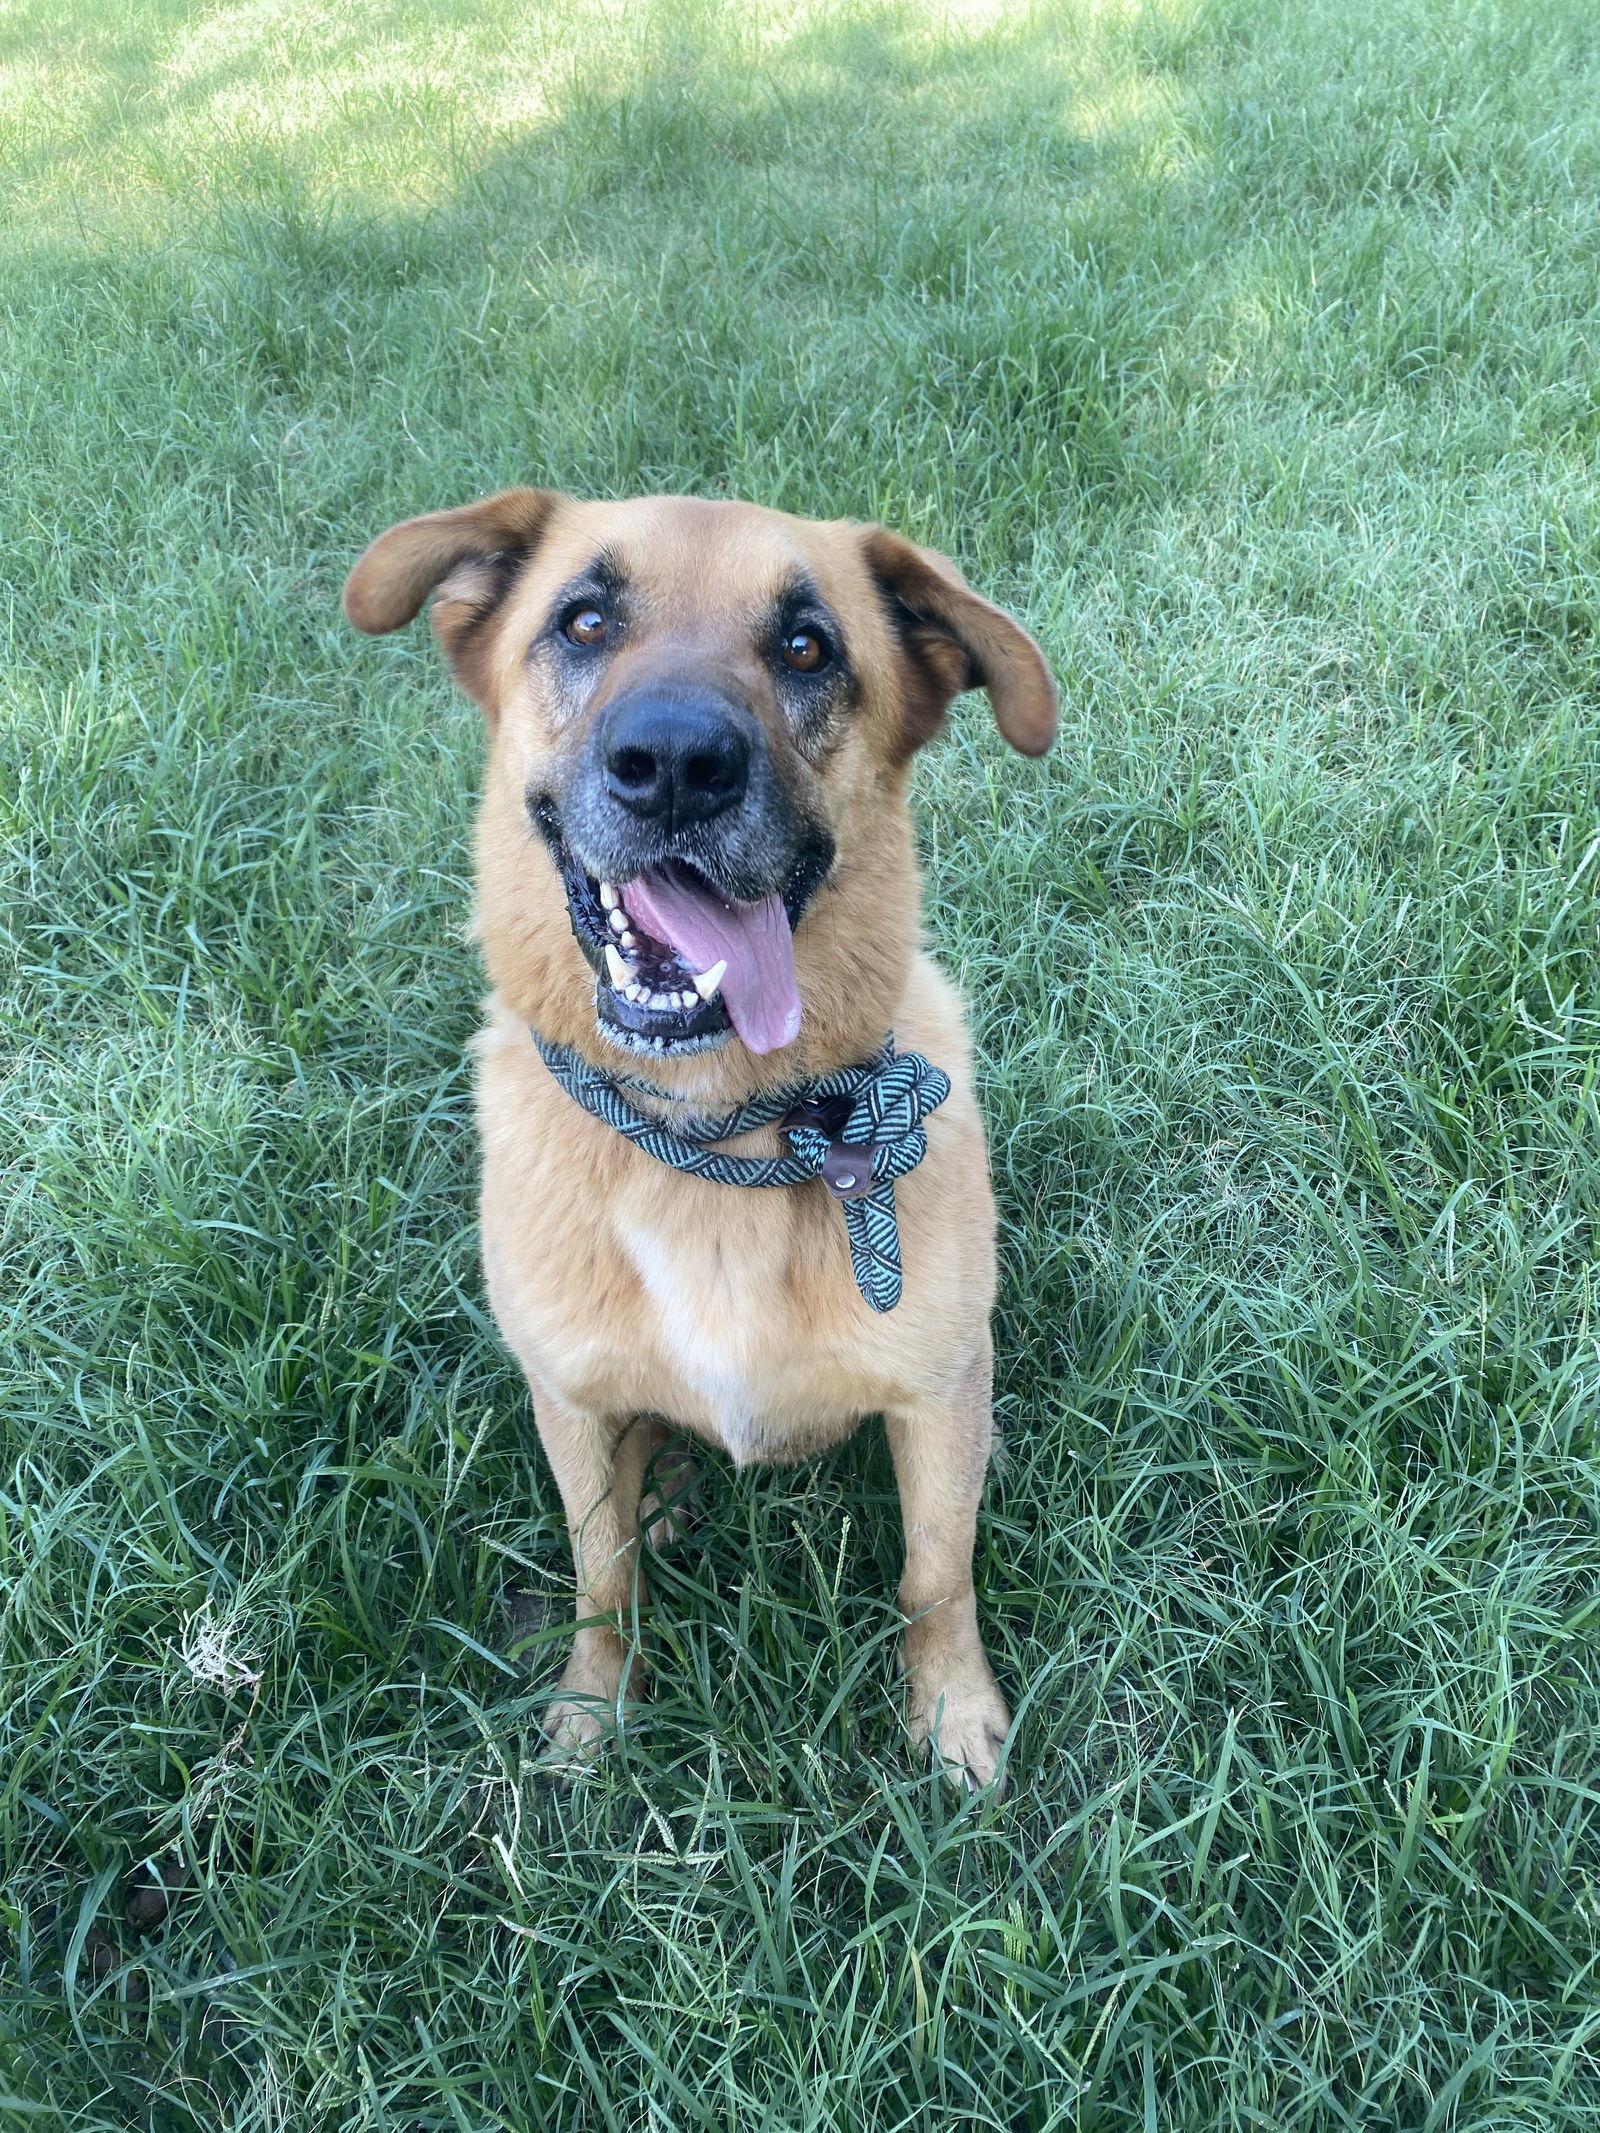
{"x":703,"y":714}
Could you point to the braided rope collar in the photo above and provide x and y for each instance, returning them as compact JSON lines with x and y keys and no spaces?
{"x":857,"y":1129}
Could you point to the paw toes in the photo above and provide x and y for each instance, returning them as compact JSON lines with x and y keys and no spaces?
{"x":964,"y":1742}
{"x":576,"y":1731}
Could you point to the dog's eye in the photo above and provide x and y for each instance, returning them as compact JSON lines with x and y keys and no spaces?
{"x":586,"y":626}
{"x":804,"y":651}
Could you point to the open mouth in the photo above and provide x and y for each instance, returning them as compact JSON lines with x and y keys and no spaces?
{"x":679,"y":966}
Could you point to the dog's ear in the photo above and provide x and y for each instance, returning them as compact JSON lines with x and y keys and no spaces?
{"x":468,"y":558}
{"x":953,"y":639}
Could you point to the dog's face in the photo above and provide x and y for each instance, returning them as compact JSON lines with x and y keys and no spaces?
{"x":703,"y":713}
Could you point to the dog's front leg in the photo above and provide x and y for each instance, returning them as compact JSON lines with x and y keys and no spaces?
{"x":941,"y":1452}
{"x":599,"y":1466}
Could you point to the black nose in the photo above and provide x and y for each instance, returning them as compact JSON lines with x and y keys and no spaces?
{"x":673,"y":759}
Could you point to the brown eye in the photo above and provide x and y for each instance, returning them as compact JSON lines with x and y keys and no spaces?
{"x":804,"y":651}
{"x":587,"y":626}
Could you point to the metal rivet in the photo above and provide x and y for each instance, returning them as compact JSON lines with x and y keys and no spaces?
{"x":845,"y":1180}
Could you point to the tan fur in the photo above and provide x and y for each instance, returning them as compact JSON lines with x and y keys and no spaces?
{"x":631,"y":1292}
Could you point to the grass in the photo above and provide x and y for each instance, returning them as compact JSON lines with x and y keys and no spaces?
{"x":1246,"y":350}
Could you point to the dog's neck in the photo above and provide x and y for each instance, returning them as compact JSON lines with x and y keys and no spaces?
{"x":717,"y":1084}
{"x":696,"y":1102}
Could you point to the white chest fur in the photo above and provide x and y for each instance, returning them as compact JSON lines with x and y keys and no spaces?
{"x":713,"y":1314}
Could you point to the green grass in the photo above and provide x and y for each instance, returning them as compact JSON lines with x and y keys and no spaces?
{"x":1246,"y":350}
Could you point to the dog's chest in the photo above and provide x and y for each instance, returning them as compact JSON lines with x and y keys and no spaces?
{"x":728,"y":1332}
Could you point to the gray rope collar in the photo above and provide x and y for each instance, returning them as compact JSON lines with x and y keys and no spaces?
{"x":857,"y":1130}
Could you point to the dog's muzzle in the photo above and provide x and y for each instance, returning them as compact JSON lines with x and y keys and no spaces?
{"x":686,"y":867}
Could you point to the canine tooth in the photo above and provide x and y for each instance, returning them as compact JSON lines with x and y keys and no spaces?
{"x":618,"y":923}
{"x":708,"y":980}
{"x":620,"y":972}
{"x":608,"y":896}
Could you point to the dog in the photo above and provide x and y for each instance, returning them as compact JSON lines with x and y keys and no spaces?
{"x":697,"y":895}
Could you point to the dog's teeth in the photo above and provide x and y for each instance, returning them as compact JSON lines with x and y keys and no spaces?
{"x":663,"y":999}
{"x":621,"y":972}
{"x":628,"y":940}
{"x":618,"y":923}
{"x":609,"y":896}
{"x":688,"y":999}
{"x":633,"y":992}
{"x":707,"y":982}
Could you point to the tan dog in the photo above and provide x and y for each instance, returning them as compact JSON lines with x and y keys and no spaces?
{"x":695,"y":870}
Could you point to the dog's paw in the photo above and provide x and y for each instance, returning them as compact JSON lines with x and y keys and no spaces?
{"x":574,"y":1737}
{"x":602,"y":1683}
{"x":576,"y":1731}
{"x":962,"y":1716}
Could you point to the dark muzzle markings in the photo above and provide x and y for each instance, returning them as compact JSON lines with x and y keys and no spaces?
{"x":686,"y":865}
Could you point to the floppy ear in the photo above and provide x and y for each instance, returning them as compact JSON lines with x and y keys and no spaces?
{"x":953,"y":640}
{"x":471,"y":557}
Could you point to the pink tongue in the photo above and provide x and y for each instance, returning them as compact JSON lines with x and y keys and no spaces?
{"x":758,"y":989}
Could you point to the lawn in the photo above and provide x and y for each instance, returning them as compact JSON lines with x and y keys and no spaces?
{"x":1247,"y":351}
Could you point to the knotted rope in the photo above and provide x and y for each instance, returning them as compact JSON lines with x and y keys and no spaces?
{"x":857,"y":1129}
